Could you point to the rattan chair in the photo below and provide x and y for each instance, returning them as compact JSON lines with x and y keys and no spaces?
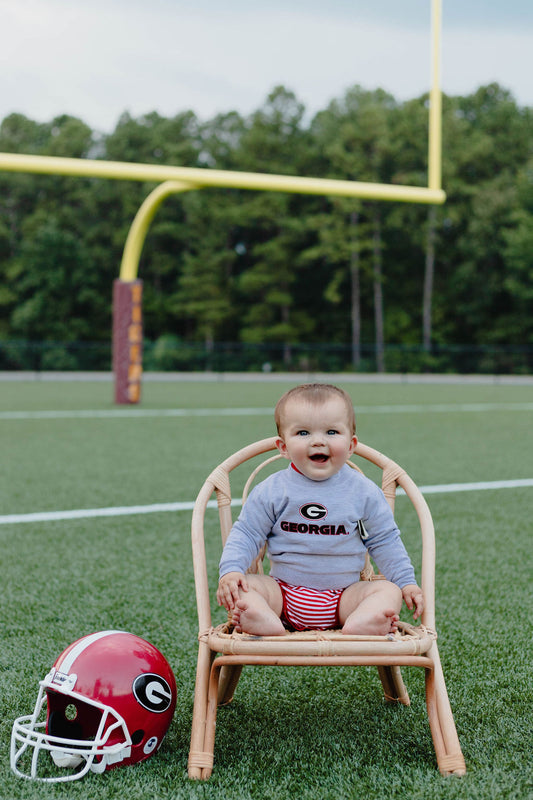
{"x":223,"y":652}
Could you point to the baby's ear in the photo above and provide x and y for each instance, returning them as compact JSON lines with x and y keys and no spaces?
{"x":353,"y":444}
{"x":282,"y":447}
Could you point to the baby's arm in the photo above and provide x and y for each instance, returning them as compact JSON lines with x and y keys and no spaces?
{"x":412,"y":594}
{"x":228,"y":589}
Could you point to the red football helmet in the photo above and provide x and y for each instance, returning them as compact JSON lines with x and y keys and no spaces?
{"x":110,"y":698}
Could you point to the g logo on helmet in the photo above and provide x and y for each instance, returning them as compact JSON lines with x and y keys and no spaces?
{"x":152,"y":692}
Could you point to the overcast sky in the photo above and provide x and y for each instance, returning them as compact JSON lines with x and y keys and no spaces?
{"x":98,"y":58}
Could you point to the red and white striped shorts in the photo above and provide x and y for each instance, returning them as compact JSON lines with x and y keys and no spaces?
{"x":310,"y":609}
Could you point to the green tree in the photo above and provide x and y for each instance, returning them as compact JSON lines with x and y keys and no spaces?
{"x":482,"y":204}
{"x":203,"y":299}
{"x":327,"y":257}
{"x":354,"y":135}
{"x":271,"y":232}
{"x":221,"y":140}
{"x":518,"y":259}
{"x":54,"y":285}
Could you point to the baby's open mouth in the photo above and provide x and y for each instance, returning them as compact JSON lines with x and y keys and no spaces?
{"x":320,"y":457}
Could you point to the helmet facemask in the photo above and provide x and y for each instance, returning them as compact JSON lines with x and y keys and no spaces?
{"x":67,"y":731}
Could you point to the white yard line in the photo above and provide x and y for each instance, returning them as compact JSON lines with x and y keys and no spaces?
{"x":125,"y":413}
{"x":155,"y":508}
{"x":133,"y":413}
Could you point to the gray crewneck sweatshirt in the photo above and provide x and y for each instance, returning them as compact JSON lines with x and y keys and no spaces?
{"x":317,"y":531}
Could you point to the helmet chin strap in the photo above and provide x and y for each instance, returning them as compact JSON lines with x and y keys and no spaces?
{"x":110,"y":758}
{"x":66,"y":760}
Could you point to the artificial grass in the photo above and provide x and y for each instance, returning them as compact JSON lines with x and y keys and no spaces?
{"x":291,"y":732}
{"x":78,"y":463}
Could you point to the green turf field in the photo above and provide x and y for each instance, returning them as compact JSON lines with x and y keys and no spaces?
{"x":294,"y":732}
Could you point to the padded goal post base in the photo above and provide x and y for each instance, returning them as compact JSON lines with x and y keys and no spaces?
{"x":127,"y":340}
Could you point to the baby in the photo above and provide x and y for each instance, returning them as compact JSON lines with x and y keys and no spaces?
{"x":318,"y":518}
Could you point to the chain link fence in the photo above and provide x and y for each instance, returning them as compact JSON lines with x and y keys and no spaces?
{"x":169,"y":354}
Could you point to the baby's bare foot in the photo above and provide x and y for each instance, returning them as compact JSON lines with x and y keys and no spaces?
{"x":248,"y":618}
{"x":379,"y":623}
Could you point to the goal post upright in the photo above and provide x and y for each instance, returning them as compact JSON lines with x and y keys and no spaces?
{"x":435,"y":102}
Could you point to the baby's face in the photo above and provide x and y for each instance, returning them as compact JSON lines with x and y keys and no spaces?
{"x":316,"y":438}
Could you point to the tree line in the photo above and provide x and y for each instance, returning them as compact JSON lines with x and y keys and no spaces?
{"x":228,"y":268}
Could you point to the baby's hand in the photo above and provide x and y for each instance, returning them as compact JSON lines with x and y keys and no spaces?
{"x":228,"y":589}
{"x":412,"y":594}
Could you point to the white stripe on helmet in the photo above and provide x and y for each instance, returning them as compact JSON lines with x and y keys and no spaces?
{"x":67,"y":663}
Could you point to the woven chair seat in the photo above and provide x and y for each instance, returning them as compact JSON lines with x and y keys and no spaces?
{"x":408,"y":640}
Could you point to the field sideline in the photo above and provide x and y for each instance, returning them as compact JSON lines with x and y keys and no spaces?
{"x":125,"y":477}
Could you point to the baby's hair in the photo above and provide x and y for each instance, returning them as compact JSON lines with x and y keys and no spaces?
{"x":314,"y":393}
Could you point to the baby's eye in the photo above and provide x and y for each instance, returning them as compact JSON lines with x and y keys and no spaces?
{"x":332,"y":432}
{"x":302,"y":433}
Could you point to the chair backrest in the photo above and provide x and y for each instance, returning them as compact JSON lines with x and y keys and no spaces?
{"x":392,"y":476}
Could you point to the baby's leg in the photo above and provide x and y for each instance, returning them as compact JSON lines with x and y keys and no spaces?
{"x":258,"y":610}
{"x":370,"y":608}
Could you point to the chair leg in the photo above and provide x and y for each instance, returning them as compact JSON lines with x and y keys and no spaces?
{"x":450,"y":758}
{"x":393,"y":685}
{"x":212,"y":682}
{"x":211,"y":717}
{"x":200,"y":759}
{"x":229,"y":678}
